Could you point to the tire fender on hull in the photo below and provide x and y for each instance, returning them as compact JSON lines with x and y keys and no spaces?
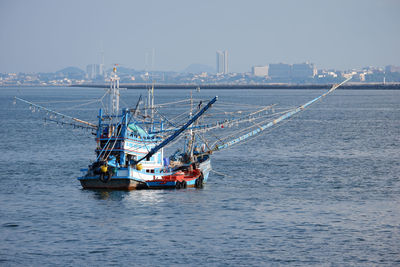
{"x":180,"y":185}
{"x":200,"y":181}
{"x":105,"y":177}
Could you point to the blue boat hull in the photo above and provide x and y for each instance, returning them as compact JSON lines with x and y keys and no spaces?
{"x":132,"y":183}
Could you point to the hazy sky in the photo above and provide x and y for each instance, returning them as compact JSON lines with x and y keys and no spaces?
{"x":47,"y":35}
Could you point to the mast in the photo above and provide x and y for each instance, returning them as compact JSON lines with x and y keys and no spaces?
{"x":191,"y":133}
{"x":152,"y":107}
{"x":114,"y":93}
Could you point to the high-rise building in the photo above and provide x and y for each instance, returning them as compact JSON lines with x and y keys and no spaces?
{"x":101,"y":66}
{"x":222,"y":62}
{"x":101,"y":70}
{"x":92,"y":70}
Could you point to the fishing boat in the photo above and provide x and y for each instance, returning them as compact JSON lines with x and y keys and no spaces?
{"x":131,"y":142}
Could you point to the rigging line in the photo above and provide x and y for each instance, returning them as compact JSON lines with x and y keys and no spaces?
{"x":265,"y":131}
{"x":263,"y":109}
{"x":180,"y":115}
{"x":279,"y":119}
{"x":123,"y":102}
{"x":180,"y":130}
{"x":262,"y":116}
{"x":55,"y":112}
{"x":84,"y":104}
{"x":175,"y":141}
{"x":101,"y":100}
{"x":165,"y":118}
{"x":245,"y":129}
{"x":170,"y":103}
{"x":109,"y":139}
{"x":64,"y":101}
{"x":245,"y":115}
{"x":248,"y":117}
{"x":240,"y":105}
{"x":239,"y":132}
{"x":67,"y":123}
{"x":105,"y":94}
{"x":230,"y":123}
{"x":204,"y":140}
{"x":108,"y":146}
{"x":78,"y":137}
{"x":256,"y":136}
{"x":223,"y":111}
{"x":115,"y":141}
{"x":180,"y":101}
{"x":216,"y":137}
{"x":268,"y":116}
{"x":246,"y":106}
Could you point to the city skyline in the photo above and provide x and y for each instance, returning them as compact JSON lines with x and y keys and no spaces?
{"x":45,"y":36}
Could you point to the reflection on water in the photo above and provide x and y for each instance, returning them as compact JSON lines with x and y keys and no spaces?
{"x":107,"y":194}
{"x":134,"y":196}
{"x":146,"y":196}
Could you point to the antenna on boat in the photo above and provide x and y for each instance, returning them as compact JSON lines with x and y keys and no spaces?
{"x":152,"y":107}
{"x":114,"y":92}
{"x":191,"y":133}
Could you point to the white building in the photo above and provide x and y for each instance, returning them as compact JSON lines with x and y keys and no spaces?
{"x":222,"y":62}
{"x":260,"y":71}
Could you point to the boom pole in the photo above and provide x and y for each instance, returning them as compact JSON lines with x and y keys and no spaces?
{"x":281,"y":118}
{"x":179,"y":131}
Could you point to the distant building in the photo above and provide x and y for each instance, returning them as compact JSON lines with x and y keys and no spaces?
{"x":222,"y":62}
{"x":280,"y":70}
{"x":93,"y":70}
{"x":295,"y":71}
{"x":392,"y":68}
{"x":101,"y":69}
{"x":260,"y":71}
{"x":304,"y":70}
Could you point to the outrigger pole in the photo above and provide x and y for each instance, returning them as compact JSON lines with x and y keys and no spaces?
{"x":272,"y":123}
{"x":179,"y":131}
{"x":57,"y":113}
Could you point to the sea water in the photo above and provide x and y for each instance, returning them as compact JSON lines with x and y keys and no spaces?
{"x":321,"y":189}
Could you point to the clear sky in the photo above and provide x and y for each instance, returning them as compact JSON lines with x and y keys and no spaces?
{"x":47,"y":35}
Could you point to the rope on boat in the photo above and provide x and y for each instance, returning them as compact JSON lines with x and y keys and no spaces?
{"x":109,"y":139}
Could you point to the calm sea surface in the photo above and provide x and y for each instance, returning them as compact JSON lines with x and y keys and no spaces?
{"x":322,"y":189}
